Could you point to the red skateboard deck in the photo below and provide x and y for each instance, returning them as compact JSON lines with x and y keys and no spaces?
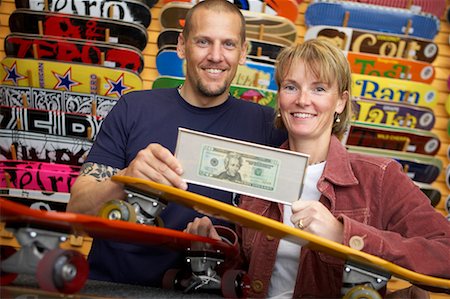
{"x":67,"y":271}
{"x":74,"y":50}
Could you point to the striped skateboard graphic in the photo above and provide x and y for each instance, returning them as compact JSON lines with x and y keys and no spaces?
{"x":392,"y":138}
{"x":38,"y":176}
{"x":394,"y":90}
{"x":74,"y":50}
{"x":258,"y":26}
{"x":372,"y":17}
{"x":24,"y":20}
{"x":378,"y":43}
{"x":37,"y":199}
{"x":252,"y":73}
{"x":390,"y":67}
{"x":420,"y":168}
{"x":131,"y":11}
{"x":283,"y":8}
{"x":74,"y":77}
{"x":30,"y":146}
{"x":50,"y":122}
{"x":435,"y":7}
{"x":263,"y":97}
{"x":393,"y":114}
{"x":256,"y":48}
{"x":48,"y":99}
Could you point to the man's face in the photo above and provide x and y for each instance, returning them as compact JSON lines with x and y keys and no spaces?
{"x":213,"y":50}
{"x":233,"y":166}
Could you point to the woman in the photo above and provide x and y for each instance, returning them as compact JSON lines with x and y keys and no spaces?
{"x":364,"y":202}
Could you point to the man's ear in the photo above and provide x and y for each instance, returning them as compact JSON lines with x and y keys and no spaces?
{"x":181,"y":46}
{"x":243,"y":56}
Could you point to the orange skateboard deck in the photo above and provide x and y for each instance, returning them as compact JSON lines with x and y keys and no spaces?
{"x":73,"y":77}
{"x":390,"y":67}
{"x":378,"y":270}
{"x":66,"y":271}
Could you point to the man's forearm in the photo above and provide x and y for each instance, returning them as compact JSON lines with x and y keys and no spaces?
{"x":93,"y":188}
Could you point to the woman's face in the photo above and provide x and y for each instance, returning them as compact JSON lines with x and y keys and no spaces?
{"x":307,"y":104}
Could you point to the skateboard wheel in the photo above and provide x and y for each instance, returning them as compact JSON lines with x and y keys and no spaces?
{"x":362,"y":291}
{"x":235,"y":284}
{"x":63,"y":271}
{"x":118,"y":210}
{"x":6,"y":277}
{"x":176,"y":279}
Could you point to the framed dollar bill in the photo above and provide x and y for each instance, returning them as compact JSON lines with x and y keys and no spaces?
{"x":242,"y":167}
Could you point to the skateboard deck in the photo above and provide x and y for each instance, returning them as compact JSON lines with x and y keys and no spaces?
{"x":384,"y":66}
{"x":131,"y":11}
{"x":433,"y":193}
{"x":48,"y":265}
{"x":74,"y":50}
{"x":252,"y":73}
{"x":277,"y":29}
{"x":50,"y":122}
{"x":393,"y":114}
{"x":48,"y":99}
{"x":277,"y":229}
{"x":392,"y":138}
{"x":30,"y":146}
{"x":37,"y":199}
{"x":256,"y":48}
{"x":263,"y":97}
{"x":420,"y":168}
{"x":378,"y":43}
{"x":394,"y":90}
{"x":24,"y":20}
{"x":372,"y":17}
{"x":283,"y":8}
{"x":435,"y":7}
{"x":74,"y":77}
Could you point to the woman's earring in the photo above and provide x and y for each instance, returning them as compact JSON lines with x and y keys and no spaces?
{"x":278,"y":114}
{"x":338,"y":119}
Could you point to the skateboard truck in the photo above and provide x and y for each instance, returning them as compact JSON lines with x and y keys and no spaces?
{"x":357,"y":276}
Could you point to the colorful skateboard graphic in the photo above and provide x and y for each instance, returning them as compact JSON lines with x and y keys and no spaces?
{"x":435,"y":7}
{"x":52,"y":122}
{"x":360,"y":268}
{"x":383,"y":44}
{"x":392,"y":138}
{"x":263,"y":97}
{"x":74,"y":50}
{"x":169,"y":37}
{"x":283,"y":8}
{"x":255,"y":74}
{"x":371,"y":17}
{"x":64,"y":25}
{"x":393,"y":114}
{"x":394,"y":90}
{"x":384,"y":66}
{"x":130,"y":11}
{"x":38,"y":176}
{"x":74,"y":77}
{"x":49,"y":263}
{"x":48,"y":99}
{"x":420,"y":168}
{"x":30,"y":146}
{"x":276,"y":29}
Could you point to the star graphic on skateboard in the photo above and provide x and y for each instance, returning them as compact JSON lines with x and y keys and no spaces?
{"x":117,"y":87}
{"x":65,"y":81}
{"x":11,"y":74}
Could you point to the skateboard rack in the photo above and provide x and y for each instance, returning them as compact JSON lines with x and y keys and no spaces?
{"x":357,"y":275}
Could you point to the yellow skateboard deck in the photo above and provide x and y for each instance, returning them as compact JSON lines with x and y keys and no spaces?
{"x":279,"y":230}
{"x":394,"y":90}
{"x":74,"y":77}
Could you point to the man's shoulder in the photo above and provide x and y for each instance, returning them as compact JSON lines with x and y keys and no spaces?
{"x":251,"y":106}
{"x":150,"y":95}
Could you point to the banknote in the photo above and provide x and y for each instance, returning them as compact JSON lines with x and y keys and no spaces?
{"x":238,"y":167}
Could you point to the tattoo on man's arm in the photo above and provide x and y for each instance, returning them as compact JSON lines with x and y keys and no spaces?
{"x":99,"y":171}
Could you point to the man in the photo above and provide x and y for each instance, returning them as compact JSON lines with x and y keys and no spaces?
{"x":139,"y":136}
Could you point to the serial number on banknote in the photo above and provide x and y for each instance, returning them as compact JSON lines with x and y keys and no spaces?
{"x":237,"y":167}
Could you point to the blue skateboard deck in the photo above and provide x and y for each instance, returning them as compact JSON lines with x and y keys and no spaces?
{"x":253,"y":74}
{"x":372,"y":17}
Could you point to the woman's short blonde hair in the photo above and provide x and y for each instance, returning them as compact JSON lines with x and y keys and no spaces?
{"x":326,"y":62}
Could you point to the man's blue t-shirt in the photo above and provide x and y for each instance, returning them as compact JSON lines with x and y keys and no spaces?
{"x":154,"y":116}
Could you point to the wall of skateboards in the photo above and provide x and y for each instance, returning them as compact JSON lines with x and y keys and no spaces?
{"x":55,"y":92}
